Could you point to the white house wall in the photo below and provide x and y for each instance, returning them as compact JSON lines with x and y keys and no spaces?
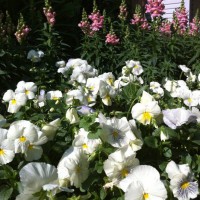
{"x":170,"y":6}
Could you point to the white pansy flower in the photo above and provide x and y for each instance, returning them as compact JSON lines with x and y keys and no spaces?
{"x":60,"y":64}
{"x":118,"y":166}
{"x":33,"y":177}
{"x":155,"y":87}
{"x":72,"y":116}
{"x":73,"y":166}
{"x":82,"y":72}
{"x":196,"y":112}
{"x":16,"y":101}
{"x":144,"y":113}
{"x":106,"y":93}
{"x":24,"y":135}
{"x":28,"y":88}
{"x":50,"y":129}
{"x":135,"y":67}
{"x":108,"y":78}
{"x":54,"y":95}
{"x":116,"y":132}
{"x":191,"y":77}
{"x":181,"y":181}
{"x":6,"y":154}
{"x":144,"y":182}
{"x":184,"y":68}
{"x":35,"y":56}
{"x":82,"y":141}
{"x":93,"y":85}
{"x":191,"y":98}
{"x":175,"y":118}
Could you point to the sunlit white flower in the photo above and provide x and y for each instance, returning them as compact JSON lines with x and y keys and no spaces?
{"x":6,"y":154}
{"x":143,"y":183}
{"x":108,"y":78}
{"x":184,"y":68}
{"x":72,"y":116}
{"x":16,"y":101}
{"x":191,"y":98}
{"x":50,"y":129}
{"x":155,"y":87}
{"x":23,"y":134}
{"x":135,"y":67}
{"x":82,"y":72}
{"x":191,"y":77}
{"x":175,"y":118}
{"x":60,"y":63}
{"x":28,"y":88}
{"x":33,"y":178}
{"x":106,"y":93}
{"x":181,"y":181}
{"x":116,"y":131}
{"x":77,"y":94}
{"x":82,"y":141}
{"x":196,"y":112}
{"x":175,"y":87}
{"x":118,"y":165}
{"x":35,"y":56}
{"x":74,"y":167}
{"x":54,"y":95}
{"x":41,"y":99}
{"x":144,"y":113}
{"x":93,"y":85}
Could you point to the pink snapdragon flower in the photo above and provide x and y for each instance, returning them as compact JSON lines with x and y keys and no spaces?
{"x":155,"y":8}
{"x":85,"y":27}
{"x":112,"y":39}
{"x":181,"y":18}
{"x":166,"y":27}
{"x":123,"y":11}
{"x":50,"y":15}
{"x":194,"y":26}
{"x":22,"y":33}
{"x":97,"y":21}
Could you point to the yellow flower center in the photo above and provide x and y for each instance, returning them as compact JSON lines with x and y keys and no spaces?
{"x":115,"y":134}
{"x":30,"y":147}
{"x":22,"y":139}
{"x":55,"y":98}
{"x":124,"y":173}
{"x":146,"y":195}
{"x":2,"y":152}
{"x":146,"y":117}
{"x":91,"y":88}
{"x":189,"y":100}
{"x":185,"y":185}
{"x":110,"y":81}
{"x":13,"y":101}
{"x":27,"y":92}
{"x":136,"y":66}
{"x":85,"y":146}
{"x":89,"y":99}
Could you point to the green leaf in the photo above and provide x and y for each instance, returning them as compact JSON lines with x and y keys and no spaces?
{"x":151,"y":141}
{"x":167,"y":152}
{"x":5,"y":192}
{"x":102,"y":193}
{"x":196,"y":142}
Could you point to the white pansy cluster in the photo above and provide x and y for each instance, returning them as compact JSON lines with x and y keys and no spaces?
{"x":124,"y":135}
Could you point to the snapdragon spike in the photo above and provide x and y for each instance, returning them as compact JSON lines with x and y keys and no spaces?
{"x":22,"y":30}
{"x":123,"y":11}
{"x":49,"y":13}
{"x":155,"y":8}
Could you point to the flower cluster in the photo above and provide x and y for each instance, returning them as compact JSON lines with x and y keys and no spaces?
{"x":22,"y":30}
{"x":49,"y":13}
{"x":155,"y":8}
{"x":106,"y":136}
